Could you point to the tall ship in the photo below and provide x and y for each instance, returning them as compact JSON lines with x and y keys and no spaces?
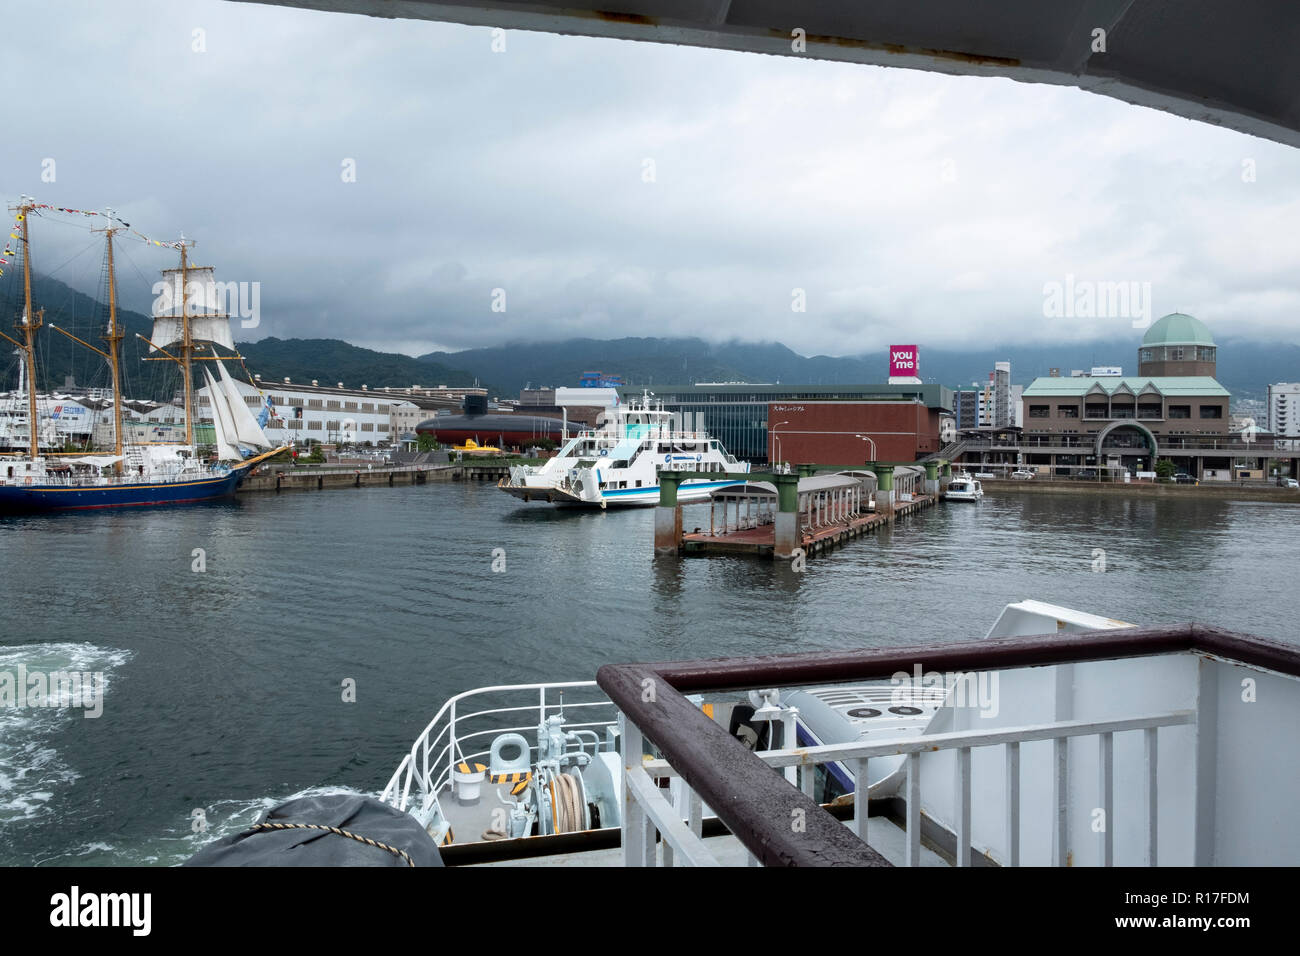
{"x":618,"y":463}
{"x":186,"y":329}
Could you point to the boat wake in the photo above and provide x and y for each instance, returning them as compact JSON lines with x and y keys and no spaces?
{"x":32,"y":771}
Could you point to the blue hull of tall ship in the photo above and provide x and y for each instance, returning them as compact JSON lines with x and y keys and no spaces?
{"x":25,"y":499}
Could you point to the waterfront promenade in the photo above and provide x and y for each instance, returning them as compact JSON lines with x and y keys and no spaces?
{"x":1220,"y":490}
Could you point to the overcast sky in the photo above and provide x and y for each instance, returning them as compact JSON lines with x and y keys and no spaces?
{"x":908,"y":206}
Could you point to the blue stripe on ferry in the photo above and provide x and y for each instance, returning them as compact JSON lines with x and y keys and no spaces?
{"x":655,"y":488}
{"x":807,"y":738}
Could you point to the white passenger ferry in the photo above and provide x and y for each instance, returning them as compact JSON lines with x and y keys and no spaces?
{"x":619,"y":462}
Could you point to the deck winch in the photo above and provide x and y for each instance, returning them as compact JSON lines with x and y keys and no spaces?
{"x":547,"y":792}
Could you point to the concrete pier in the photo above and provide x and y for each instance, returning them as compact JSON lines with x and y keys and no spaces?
{"x":389,"y":476}
{"x":668,"y":516}
{"x":885,"y":490}
{"x":785,"y":529}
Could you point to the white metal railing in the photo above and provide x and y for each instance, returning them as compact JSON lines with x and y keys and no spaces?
{"x":443,"y":744}
{"x":647,"y":811}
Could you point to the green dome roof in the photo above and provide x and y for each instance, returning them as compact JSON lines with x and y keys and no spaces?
{"x":1178,"y":329}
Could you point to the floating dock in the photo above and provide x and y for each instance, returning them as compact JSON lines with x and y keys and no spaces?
{"x":787,"y":516}
{"x":761,"y":541}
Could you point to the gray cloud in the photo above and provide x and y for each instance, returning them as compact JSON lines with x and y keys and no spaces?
{"x":896,"y":200}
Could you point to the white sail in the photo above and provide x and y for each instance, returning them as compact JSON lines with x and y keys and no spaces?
{"x":246,"y":427}
{"x":205,"y":304}
{"x":221,"y":423}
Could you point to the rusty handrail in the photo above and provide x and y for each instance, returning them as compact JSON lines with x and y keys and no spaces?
{"x":778,"y":823}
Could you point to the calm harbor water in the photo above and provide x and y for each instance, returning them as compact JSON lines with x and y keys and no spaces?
{"x":224,"y":686}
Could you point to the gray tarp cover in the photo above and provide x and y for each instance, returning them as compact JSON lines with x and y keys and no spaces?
{"x":363,"y":816}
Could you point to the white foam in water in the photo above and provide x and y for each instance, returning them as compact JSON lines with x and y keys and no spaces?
{"x":31,"y":771}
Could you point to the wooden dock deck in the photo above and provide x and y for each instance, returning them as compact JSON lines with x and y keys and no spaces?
{"x":760,"y":541}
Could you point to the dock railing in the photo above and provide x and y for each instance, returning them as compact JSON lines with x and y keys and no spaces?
{"x":779,"y":824}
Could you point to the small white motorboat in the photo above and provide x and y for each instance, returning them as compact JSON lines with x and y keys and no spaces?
{"x":963,"y":488}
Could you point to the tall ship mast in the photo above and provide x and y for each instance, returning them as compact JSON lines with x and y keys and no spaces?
{"x":137,"y":473}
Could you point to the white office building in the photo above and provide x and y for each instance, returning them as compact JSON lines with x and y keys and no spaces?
{"x":1284,"y":409}
{"x":303,"y":414}
{"x":999,"y":401}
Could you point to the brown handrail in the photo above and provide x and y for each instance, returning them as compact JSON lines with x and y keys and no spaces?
{"x":778,"y":823}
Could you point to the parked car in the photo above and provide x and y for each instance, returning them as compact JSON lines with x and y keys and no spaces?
{"x":1089,"y":474}
{"x":1022,"y":474}
{"x":1183,"y":478}
{"x":1288,"y":483}
{"x":985,"y":474}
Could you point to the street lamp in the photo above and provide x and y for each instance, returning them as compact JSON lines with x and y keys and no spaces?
{"x":776,"y":440}
{"x":873,"y":445}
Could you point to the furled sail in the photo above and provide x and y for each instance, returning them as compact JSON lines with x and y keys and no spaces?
{"x":205,"y":304}
{"x":246,"y":427}
{"x":221,"y":422}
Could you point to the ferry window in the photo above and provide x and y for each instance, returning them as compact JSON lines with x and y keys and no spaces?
{"x":638,"y":482}
{"x":826,"y":787}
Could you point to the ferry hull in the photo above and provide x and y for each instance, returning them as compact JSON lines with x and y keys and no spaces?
{"x":687,"y":493}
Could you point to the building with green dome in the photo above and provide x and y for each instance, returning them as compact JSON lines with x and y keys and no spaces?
{"x":1173,"y":408}
{"x":1175,"y":345}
